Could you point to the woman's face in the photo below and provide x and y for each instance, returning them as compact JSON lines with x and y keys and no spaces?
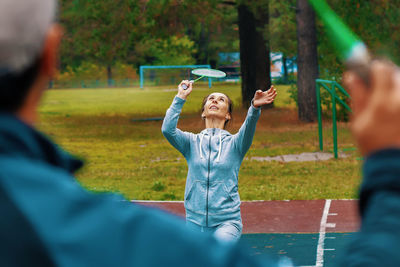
{"x":217,"y":106}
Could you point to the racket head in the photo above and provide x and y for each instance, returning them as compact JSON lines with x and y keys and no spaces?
{"x":209,"y":73}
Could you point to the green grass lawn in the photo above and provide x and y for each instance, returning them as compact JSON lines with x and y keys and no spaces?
{"x":134,"y":159}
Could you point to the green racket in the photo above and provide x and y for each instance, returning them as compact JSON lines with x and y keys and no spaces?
{"x":208,"y":73}
{"x":349,"y":46}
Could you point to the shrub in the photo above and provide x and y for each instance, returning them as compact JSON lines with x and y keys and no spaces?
{"x":158,"y":186}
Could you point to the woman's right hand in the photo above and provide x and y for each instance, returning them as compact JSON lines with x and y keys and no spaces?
{"x":182,"y":93}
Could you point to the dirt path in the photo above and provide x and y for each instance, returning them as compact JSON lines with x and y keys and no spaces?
{"x":311,"y":156}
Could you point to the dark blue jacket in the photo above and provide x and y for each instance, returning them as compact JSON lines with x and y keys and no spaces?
{"x":47,"y":218}
{"x":378,"y":242}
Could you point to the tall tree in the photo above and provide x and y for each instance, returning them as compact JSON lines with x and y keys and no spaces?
{"x":307,"y":61}
{"x":254,"y":48}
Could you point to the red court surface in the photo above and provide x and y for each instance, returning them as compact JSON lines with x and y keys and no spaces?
{"x":294,"y":216}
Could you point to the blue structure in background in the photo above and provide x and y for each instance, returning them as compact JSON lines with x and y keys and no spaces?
{"x":142,"y":68}
{"x":277,"y":68}
{"x":229,"y":58}
{"x":230,"y":64}
{"x":231,"y":61}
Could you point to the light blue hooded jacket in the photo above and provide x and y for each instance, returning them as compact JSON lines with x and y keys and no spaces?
{"x":214,"y":157}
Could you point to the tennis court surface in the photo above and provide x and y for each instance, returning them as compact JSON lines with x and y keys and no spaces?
{"x":309,"y":232}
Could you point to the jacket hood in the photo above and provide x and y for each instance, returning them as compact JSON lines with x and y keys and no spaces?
{"x":209,"y":131}
{"x":19,"y":139}
{"x":213,"y":131}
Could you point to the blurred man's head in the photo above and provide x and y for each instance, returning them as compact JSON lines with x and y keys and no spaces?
{"x":29,"y":42}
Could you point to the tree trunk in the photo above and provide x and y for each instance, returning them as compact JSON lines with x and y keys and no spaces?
{"x":307,"y":61}
{"x":285,"y":70}
{"x":109,"y":76}
{"x":203,"y":44}
{"x":202,"y":41}
{"x":254,"y":48}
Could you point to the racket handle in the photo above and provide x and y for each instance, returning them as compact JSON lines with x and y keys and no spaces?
{"x":184,"y":86}
{"x":360,"y":63}
{"x":362,"y":70}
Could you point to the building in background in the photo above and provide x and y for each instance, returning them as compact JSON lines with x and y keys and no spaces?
{"x":230,"y":64}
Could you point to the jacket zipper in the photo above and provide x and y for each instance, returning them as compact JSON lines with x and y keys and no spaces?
{"x":208,"y":176}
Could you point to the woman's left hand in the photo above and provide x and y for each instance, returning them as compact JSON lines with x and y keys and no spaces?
{"x":263,"y":98}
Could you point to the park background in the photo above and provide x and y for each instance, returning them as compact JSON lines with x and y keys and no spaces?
{"x":96,"y":109}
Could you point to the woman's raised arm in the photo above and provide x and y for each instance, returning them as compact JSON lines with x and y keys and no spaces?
{"x":176,"y":137}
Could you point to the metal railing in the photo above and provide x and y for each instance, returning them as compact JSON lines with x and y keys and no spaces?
{"x":334,"y":99}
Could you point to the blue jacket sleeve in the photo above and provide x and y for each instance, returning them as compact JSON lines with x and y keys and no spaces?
{"x":244,"y":137}
{"x":177,"y":138}
{"x":378,"y":241}
{"x":79,"y":228}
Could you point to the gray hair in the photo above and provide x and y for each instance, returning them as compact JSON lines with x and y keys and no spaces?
{"x":23,"y":28}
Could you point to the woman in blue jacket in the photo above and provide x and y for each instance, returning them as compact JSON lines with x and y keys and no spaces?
{"x":214,"y":156}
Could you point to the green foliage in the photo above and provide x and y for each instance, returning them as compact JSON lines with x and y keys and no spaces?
{"x":99,"y":31}
{"x":169,"y":196}
{"x":147,"y":32}
{"x":173,"y":50}
{"x":85,"y":71}
{"x":91,"y":72}
{"x":210,"y":24}
{"x":122,"y":71}
{"x":293,"y":94}
{"x":158,"y":186}
{"x":282,"y":27}
{"x":342,"y":114}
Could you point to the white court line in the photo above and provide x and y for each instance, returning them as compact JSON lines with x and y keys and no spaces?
{"x":321,"y":239}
